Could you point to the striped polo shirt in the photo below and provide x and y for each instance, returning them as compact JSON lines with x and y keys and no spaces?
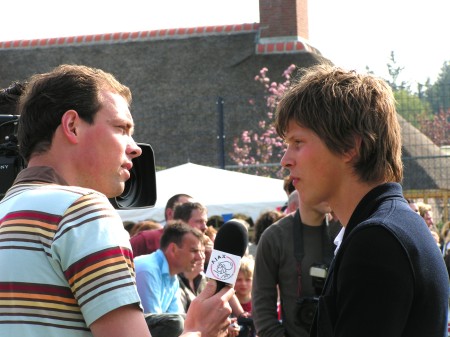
{"x":65,"y":258}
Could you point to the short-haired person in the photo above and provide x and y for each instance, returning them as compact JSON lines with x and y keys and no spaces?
{"x":173,"y":202}
{"x":264,"y":220}
{"x":282,"y":276}
{"x":193,"y":213}
{"x":243,"y":288}
{"x":243,"y":285}
{"x":426,"y":213}
{"x":413,"y":204}
{"x":144,"y":225}
{"x":180,"y":250}
{"x":65,"y":255}
{"x":147,"y":241}
{"x":343,"y":141}
{"x":192,"y":282}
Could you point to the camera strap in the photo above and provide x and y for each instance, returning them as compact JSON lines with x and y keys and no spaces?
{"x":299,"y":251}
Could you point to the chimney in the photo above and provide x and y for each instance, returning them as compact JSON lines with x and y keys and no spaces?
{"x":284,"y":19}
{"x":283,"y":27}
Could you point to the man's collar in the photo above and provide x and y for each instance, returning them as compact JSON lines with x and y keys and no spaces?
{"x":40,"y":173}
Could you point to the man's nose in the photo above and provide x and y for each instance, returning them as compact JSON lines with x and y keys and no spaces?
{"x":286,"y":161}
{"x":199,"y":256}
{"x":133,"y":149}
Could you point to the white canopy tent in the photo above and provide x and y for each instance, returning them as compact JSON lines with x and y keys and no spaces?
{"x":221,"y":191}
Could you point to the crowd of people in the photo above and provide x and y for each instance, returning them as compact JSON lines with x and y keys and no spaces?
{"x":183,"y":286}
{"x":276,"y":281}
{"x":347,"y":255}
{"x":261,"y":290}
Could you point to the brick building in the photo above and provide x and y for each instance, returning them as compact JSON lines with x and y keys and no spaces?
{"x":177,"y":75}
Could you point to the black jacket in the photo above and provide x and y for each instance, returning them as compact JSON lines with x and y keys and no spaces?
{"x":388,"y":277}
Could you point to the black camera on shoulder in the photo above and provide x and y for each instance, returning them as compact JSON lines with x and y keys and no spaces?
{"x":11,"y":163}
{"x":140,"y":189}
{"x":307,"y":306}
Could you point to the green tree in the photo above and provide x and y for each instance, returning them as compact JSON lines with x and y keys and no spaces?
{"x":412,"y":108}
{"x":409,"y":105}
{"x":438,"y":93}
{"x":394,"y":71}
{"x":435,"y":124}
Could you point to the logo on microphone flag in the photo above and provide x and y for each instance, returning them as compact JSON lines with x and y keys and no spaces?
{"x":223,"y":267}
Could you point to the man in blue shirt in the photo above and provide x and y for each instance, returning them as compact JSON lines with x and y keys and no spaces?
{"x":156,"y":277}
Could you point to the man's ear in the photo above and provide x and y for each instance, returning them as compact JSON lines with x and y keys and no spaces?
{"x":172,"y":249}
{"x":353,"y":153}
{"x":69,"y":125}
{"x":169,"y":213}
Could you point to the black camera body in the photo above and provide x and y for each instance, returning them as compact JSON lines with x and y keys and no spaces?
{"x":140,"y":189}
{"x":247,"y":328}
{"x":307,"y":306}
{"x":306,"y":309}
{"x":11,"y":163}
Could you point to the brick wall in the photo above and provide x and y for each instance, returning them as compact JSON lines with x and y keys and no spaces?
{"x":284,"y":18}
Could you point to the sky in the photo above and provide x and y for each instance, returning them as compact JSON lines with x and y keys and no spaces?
{"x":353,"y":34}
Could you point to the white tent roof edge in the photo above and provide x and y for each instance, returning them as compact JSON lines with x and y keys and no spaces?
{"x":221,"y":191}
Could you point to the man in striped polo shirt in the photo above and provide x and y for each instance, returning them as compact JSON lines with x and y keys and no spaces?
{"x":66,"y":260}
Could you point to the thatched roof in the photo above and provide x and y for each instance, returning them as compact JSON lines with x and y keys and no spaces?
{"x":175,"y":83}
{"x":176,"y":79}
{"x":426,"y":165}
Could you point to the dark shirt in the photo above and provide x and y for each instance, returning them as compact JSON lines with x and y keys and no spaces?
{"x":388,"y":277}
{"x":276,"y":270}
{"x":187,"y":294}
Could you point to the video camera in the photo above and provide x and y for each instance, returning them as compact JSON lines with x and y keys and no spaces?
{"x":246,"y":327}
{"x":140,"y":189}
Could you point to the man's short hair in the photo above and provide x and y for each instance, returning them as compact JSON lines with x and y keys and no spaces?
{"x":247,"y":266}
{"x":343,"y":107}
{"x":174,"y":200}
{"x":48,"y":96}
{"x":183,"y":212}
{"x":423,"y":208}
{"x":175,"y":231}
{"x":215,"y":221}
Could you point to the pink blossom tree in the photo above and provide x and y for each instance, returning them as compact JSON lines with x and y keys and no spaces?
{"x":437,"y":128}
{"x":262,"y":148}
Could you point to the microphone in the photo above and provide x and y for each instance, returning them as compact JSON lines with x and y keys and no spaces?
{"x":229,"y":246}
